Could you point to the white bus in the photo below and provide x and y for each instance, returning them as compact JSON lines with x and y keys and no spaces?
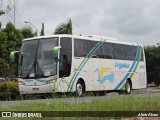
{"x":69,"y":63}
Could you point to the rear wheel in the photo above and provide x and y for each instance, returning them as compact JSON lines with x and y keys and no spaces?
{"x":128,"y":87}
{"x":79,"y":89}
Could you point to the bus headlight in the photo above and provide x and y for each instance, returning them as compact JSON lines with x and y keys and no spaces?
{"x":50,"y":81}
{"x":21,"y":83}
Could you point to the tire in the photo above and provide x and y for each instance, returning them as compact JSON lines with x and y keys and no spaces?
{"x":128,"y":87}
{"x":79,"y":89}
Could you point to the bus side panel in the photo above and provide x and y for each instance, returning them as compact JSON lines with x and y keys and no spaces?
{"x":141,"y":75}
{"x":93,"y":74}
{"x":77,"y":73}
{"x":105,"y":74}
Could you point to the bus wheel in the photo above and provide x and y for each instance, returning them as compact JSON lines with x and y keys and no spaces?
{"x":128,"y":87}
{"x":79,"y":88}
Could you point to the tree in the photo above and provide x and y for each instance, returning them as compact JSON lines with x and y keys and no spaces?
{"x":27,"y":32}
{"x":4,"y":66}
{"x":64,"y":28}
{"x":14,"y":36}
{"x":10,"y":40}
{"x":152,"y":54}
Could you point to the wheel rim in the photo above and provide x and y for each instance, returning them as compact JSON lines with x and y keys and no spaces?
{"x":79,"y":89}
{"x":128,"y":88}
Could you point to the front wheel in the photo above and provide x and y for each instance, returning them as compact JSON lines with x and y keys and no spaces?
{"x":128,"y":88}
{"x":79,"y":89}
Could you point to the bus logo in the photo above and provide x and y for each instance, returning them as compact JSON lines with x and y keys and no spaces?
{"x":102,"y":78}
{"x":122,"y":65}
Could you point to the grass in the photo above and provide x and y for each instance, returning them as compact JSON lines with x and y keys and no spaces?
{"x":157,"y":88}
{"x":122,"y":103}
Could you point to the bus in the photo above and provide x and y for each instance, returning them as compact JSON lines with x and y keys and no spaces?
{"x":70,"y":63}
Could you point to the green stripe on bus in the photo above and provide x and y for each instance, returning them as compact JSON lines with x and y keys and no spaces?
{"x":132,"y":73}
{"x":137,"y":63}
{"x":82,"y":63}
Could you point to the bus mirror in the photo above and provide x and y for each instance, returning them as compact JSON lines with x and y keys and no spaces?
{"x":13,"y":56}
{"x":55,"y":52}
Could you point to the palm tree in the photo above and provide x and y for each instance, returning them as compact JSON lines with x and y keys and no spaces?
{"x":64,"y":28}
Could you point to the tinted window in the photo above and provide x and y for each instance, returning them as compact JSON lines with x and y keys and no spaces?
{"x":107,"y":51}
{"x":80,"y":48}
{"x":98,"y":52}
{"x":45,"y":61}
{"x":83,"y":47}
{"x":130,"y":52}
{"x":65,"y":57}
{"x":91,"y":45}
{"x":119,"y":52}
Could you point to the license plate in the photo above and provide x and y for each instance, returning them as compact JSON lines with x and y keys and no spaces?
{"x":35,"y":89}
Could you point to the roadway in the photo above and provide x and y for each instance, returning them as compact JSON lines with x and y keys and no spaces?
{"x":71,"y":99}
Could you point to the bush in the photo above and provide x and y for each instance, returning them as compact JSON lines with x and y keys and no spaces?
{"x":153,"y":64}
{"x":9,"y":90}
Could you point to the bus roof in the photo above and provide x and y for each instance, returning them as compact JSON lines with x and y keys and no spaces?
{"x":88,"y":37}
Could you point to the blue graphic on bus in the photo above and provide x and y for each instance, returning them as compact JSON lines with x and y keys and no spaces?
{"x":102,"y":79}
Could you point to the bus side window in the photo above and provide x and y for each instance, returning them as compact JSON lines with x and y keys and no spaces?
{"x":65,"y":57}
{"x":107,"y":51}
{"x":80,"y":48}
{"x":90,"y":46}
{"x":130,"y":52}
{"x":63,"y":65}
{"x":119,"y":52}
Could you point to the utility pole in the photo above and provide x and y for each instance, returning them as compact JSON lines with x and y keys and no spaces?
{"x":42,"y":30}
{"x":11,"y":10}
{"x":14,"y":7}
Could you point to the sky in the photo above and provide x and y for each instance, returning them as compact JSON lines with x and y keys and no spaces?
{"x":126,"y":20}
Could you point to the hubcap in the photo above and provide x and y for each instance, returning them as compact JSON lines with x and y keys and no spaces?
{"x":79,"y":89}
{"x":128,"y":88}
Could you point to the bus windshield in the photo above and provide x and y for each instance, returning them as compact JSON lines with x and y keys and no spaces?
{"x":36,"y":59}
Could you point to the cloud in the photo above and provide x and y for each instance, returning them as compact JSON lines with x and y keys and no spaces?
{"x":133,"y":20}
